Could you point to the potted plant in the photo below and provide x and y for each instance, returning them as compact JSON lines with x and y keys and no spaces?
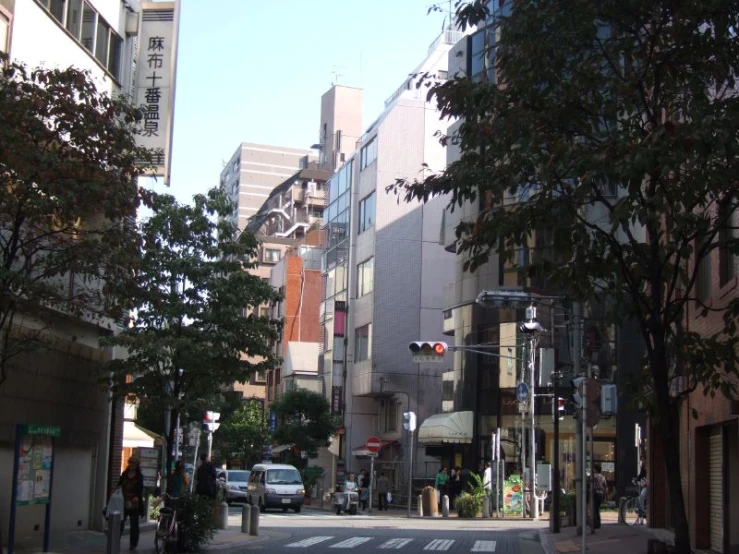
{"x":469,"y":503}
{"x":310,"y":478}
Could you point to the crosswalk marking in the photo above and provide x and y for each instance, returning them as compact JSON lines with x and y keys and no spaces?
{"x":439,"y":544}
{"x":351,"y":543}
{"x":484,"y":546}
{"x":305,"y":543}
{"x":395,"y":543}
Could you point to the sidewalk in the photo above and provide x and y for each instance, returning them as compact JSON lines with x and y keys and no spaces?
{"x":611,"y":538}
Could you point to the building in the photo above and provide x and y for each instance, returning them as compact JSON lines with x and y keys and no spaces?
{"x":384,"y":274}
{"x":485,"y":384}
{"x":253,"y":172}
{"x":341,"y":125}
{"x":62,"y":390}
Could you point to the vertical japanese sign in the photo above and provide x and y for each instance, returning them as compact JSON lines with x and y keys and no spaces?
{"x":156,"y":66}
{"x":513,"y":502}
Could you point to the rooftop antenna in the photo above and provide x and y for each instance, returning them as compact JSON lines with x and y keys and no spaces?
{"x":336,"y":72}
{"x":447,"y":11}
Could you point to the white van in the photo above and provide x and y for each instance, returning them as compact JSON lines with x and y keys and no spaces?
{"x":275,"y":486}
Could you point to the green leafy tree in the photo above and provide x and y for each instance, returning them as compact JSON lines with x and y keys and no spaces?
{"x":606,"y":143}
{"x":68,"y":168}
{"x":196,"y":328}
{"x":305,"y":420}
{"x":243,"y":434}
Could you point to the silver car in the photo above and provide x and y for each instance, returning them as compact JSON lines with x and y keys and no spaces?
{"x":235,"y":482}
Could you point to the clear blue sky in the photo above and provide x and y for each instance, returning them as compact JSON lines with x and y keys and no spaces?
{"x":255,"y":70}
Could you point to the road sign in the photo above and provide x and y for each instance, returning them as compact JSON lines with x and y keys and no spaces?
{"x":373,"y":444}
{"x":522,"y":392}
{"x":523,"y":407}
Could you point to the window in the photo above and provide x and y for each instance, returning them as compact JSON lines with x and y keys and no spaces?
{"x":101,"y":42}
{"x":703,"y":277}
{"x":363,"y":343}
{"x":271,"y":255}
{"x":391,"y":417}
{"x":727,"y":235}
{"x":366,"y":213}
{"x":74,"y":17}
{"x":368,"y":153}
{"x":89,"y":18}
{"x":365,"y":277}
{"x":4,"y":32}
{"x":114,"y":55}
{"x":56,"y":8}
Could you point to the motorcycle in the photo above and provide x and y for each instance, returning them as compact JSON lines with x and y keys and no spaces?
{"x":346,"y":501}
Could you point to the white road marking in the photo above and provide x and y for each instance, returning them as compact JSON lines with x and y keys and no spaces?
{"x":484,"y":546}
{"x":395,"y":543}
{"x":305,"y":543}
{"x":439,"y":544}
{"x":351,"y":543}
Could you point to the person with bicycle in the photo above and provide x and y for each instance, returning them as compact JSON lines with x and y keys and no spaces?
{"x":132,"y":487}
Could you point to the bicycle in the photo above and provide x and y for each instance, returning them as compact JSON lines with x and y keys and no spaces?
{"x":168,"y":530}
{"x":631,"y":510}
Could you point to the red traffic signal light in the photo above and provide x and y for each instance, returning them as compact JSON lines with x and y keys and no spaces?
{"x":427,"y":351}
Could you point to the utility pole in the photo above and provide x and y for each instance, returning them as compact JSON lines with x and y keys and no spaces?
{"x":554,"y":516}
{"x":580,"y":479}
{"x":409,"y":424}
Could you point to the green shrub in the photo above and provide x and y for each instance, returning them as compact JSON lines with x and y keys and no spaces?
{"x":197,"y":525}
{"x":468,"y":505}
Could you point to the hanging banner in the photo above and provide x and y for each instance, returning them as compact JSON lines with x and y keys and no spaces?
{"x":156,"y":66}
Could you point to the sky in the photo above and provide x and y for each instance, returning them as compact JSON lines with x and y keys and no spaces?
{"x":255,"y":70}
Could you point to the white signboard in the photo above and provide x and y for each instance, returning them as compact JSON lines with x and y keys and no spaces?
{"x":155,"y":80}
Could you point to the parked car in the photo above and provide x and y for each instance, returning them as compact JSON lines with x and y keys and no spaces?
{"x":276,"y":486}
{"x":235,"y":481}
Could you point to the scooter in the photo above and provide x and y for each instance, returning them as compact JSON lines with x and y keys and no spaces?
{"x":346,"y":501}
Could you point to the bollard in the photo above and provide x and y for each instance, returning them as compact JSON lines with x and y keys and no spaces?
{"x":486,"y":506}
{"x":222,"y":515}
{"x":420,"y":505}
{"x":445,"y":506}
{"x":114,"y":534}
{"x":254,"y":521}
{"x":621,"y":503}
{"x":245,"y":518}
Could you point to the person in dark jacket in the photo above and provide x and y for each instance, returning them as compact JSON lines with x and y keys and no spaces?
{"x":132,"y":487}
{"x":205,"y":478}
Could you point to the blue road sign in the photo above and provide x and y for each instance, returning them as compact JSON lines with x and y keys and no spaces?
{"x":272,"y":422}
{"x":522,"y":392}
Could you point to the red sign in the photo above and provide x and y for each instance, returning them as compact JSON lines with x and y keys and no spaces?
{"x":373,"y":444}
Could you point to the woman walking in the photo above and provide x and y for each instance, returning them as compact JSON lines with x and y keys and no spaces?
{"x":132,"y":487}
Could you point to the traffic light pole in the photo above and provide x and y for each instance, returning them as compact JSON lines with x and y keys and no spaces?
{"x":554,"y":519}
{"x":410,"y":475}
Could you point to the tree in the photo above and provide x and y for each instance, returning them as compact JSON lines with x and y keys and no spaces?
{"x":606,"y":144}
{"x":243,"y":434}
{"x":305,"y":421}
{"x":197,"y":327}
{"x":68,"y":168}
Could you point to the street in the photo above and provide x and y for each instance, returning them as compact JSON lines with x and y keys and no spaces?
{"x":315,"y":530}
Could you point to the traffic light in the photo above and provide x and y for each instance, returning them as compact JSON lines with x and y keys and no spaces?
{"x":608,"y":400}
{"x":210,"y":421}
{"x":561,"y":408}
{"x":591,"y":391}
{"x":428,"y":351}
{"x":409,"y":421}
{"x":577,"y":391}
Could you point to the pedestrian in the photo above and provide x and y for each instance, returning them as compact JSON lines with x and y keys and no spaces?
{"x":442,"y":478}
{"x":383,"y":488}
{"x":643,"y":489}
{"x":205,"y":478}
{"x":132,"y":487}
{"x":456,"y":484}
{"x":178,"y":481}
{"x":600,"y":492}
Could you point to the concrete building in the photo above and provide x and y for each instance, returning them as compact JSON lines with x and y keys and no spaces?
{"x":59,"y":387}
{"x":341,"y":125}
{"x":254,"y":170}
{"x":384,"y":275}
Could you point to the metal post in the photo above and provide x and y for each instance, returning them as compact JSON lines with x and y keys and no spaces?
{"x":246,"y":518}
{"x":410,"y":474}
{"x":532,"y":403}
{"x":210,"y":444}
{"x":254,"y":521}
{"x":592,"y":492}
{"x":583,"y":466}
{"x":576,"y":371}
{"x":554,"y":511}
{"x":372,"y":477}
{"x":113,"y":545}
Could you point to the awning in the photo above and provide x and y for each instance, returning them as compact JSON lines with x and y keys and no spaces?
{"x":363,"y":451}
{"x":135,"y":437}
{"x":448,"y":427}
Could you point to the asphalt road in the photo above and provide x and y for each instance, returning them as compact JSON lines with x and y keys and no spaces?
{"x":314,"y":531}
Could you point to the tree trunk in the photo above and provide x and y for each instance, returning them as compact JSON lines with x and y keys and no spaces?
{"x":667,"y":428}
